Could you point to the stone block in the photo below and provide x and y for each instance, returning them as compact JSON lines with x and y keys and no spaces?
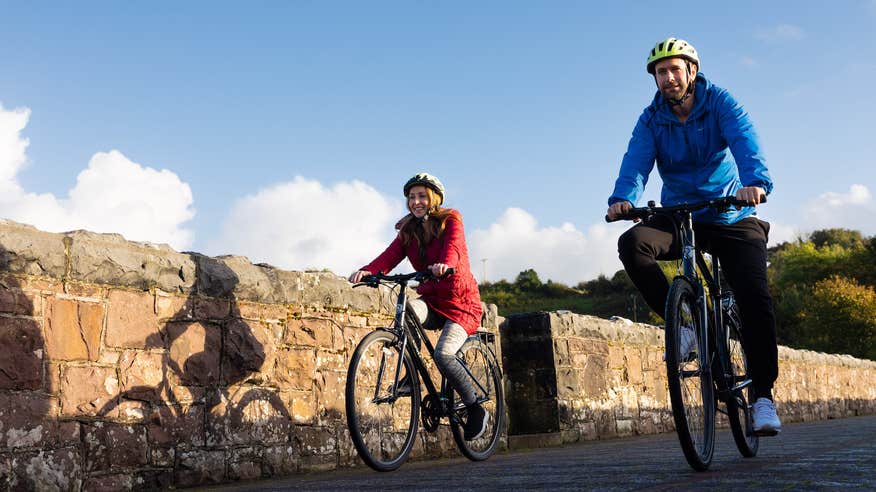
{"x":29,"y":419}
{"x":131,"y":321}
{"x":21,"y":360}
{"x":248,"y":415}
{"x":296,"y":368}
{"x":302,"y":406}
{"x":633,"y":365}
{"x":315,"y":441}
{"x":595,"y":377}
{"x":141,"y":374}
{"x":92,"y":292}
{"x":110,"y":259}
{"x":283,"y":459}
{"x":29,"y":251}
{"x":73,"y":329}
{"x":330,"y":396}
{"x":109,"y":483}
{"x":245,"y":463}
{"x":261,"y":312}
{"x":15,"y":301}
{"x":311,"y":332}
{"x":180,"y":425}
{"x":195,"y":350}
{"x":88,"y":391}
{"x":207,"y":308}
{"x":249,"y":352}
{"x":163,"y":457}
{"x":110,"y":445}
{"x":568,"y":382}
{"x":200,"y":467}
{"x":625,"y":428}
{"x":174,"y":308}
{"x":615,"y":356}
{"x":50,"y":469}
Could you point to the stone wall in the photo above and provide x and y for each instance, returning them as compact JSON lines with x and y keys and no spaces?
{"x":130,"y":365}
{"x":573,"y":377}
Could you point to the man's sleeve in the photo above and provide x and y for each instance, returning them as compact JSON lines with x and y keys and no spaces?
{"x":739,"y":133}
{"x":636,"y":165}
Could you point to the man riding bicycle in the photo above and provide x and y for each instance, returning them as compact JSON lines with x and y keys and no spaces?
{"x":690,"y":129}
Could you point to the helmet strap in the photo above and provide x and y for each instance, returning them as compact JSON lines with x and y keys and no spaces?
{"x":691,"y":86}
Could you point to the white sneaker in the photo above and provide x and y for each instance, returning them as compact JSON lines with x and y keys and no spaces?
{"x":764,"y":417}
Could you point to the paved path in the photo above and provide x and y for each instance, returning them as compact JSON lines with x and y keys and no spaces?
{"x":824,"y":455}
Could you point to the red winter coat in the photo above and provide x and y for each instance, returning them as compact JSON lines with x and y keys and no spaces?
{"x":456,"y":296}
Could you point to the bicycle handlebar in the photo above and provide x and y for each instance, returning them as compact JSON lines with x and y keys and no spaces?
{"x":651,"y":209}
{"x":374,"y":280}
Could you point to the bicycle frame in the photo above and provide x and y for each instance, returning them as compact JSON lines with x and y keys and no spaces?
{"x":713,"y":305}
{"x":406,"y":326}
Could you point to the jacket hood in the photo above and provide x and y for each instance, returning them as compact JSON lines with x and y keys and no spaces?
{"x":664,"y":114}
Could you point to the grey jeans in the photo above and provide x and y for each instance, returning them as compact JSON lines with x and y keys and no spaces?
{"x":450,"y":341}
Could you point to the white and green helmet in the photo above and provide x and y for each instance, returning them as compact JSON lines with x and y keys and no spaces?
{"x":425,"y":179}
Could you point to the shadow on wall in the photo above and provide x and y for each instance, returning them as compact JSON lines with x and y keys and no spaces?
{"x":202,"y":381}
{"x":28,"y":395}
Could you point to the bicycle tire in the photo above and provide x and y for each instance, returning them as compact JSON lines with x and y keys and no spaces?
{"x":738,"y":409}
{"x":383,"y":428}
{"x":482,"y":363}
{"x":691,"y":390}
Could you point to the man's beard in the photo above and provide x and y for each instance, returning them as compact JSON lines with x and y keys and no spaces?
{"x":674,"y":95}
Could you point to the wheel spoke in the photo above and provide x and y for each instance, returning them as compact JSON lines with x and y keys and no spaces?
{"x":382,"y":424}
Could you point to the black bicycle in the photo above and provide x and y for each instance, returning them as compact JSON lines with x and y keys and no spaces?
{"x":717,"y":367}
{"x":383,"y":414}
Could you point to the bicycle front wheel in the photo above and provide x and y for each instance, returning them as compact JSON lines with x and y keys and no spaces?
{"x":382,"y":421}
{"x":486,"y":376}
{"x":738,"y":409}
{"x":690,"y":380}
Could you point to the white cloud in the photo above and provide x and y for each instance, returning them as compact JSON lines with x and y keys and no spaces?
{"x":304,"y":225}
{"x":855,"y":209}
{"x":515,"y":242}
{"x":113,"y":194}
{"x":781,"y":32}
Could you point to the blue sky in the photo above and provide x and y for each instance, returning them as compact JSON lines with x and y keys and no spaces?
{"x":283,"y":131}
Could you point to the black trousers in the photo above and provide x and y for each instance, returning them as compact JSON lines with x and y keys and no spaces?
{"x":741,"y":249}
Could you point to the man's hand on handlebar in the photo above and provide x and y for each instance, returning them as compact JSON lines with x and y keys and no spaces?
{"x":753,"y":195}
{"x":619,"y":208}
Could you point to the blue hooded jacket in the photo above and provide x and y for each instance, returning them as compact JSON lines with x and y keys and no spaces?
{"x":694,"y":158}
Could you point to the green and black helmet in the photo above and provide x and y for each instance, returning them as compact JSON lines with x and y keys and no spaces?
{"x":425,"y":179}
{"x":670,"y":48}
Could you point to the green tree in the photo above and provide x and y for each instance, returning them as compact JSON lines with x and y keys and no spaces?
{"x":528,"y":280}
{"x":840,"y":317}
{"x":845,"y":238}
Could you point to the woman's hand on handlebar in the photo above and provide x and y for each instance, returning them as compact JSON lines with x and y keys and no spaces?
{"x":439,"y":269}
{"x":357,"y":276}
{"x":617,"y":209}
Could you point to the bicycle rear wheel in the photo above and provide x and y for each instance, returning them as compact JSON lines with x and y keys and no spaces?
{"x":382,"y":423}
{"x":738,"y":409}
{"x":484,"y":369}
{"x":690,"y":380}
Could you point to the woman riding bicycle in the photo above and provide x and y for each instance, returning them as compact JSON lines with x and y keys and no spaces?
{"x":432,"y":237}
